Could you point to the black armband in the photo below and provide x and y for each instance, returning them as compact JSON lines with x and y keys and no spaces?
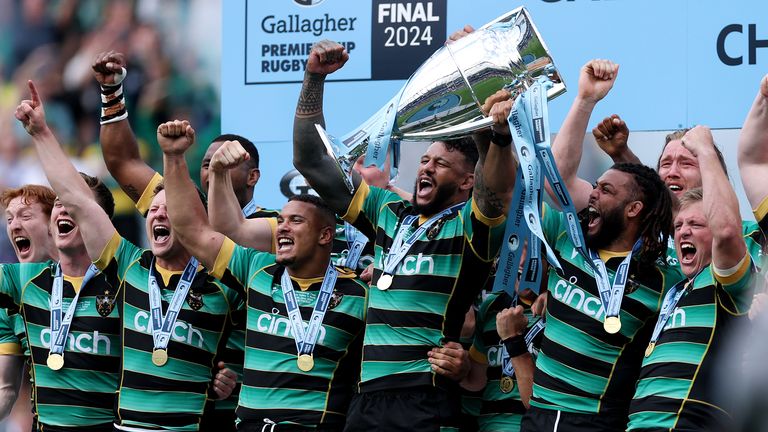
{"x":501,"y":140}
{"x":515,"y":346}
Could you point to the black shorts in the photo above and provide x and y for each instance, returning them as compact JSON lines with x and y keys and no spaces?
{"x":544,"y":420}
{"x":423,"y":409}
{"x":218,"y":420}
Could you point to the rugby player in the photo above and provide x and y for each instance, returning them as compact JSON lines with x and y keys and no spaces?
{"x":74,"y":389}
{"x":173,"y":318}
{"x":419,"y":300}
{"x":28,"y":214}
{"x":285,"y":387}
{"x":675,"y":390}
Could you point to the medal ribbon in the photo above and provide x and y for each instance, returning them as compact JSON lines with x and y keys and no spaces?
{"x":506,"y":362}
{"x":250,"y":209}
{"x":162,"y":325}
{"x":401,"y":246}
{"x":59,"y":327}
{"x":305,"y":341}
{"x":612,"y":295}
{"x":670,"y":303}
{"x":356,"y":241}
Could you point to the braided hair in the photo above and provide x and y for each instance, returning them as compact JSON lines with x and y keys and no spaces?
{"x":656,"y":216}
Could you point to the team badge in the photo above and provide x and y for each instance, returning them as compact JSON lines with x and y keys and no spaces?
{"x":631,"y":286}
{"x":336,"y":298}
{"x":105,"y":303}
{"x":195,"y":300}
{"x":434,"y":230}
{"x":506,"y":384}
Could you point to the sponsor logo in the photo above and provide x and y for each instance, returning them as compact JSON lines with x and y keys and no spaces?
{"x":676,"y":320}
{"x":280,"y":326}
{"x":571,"y":294}
{"x":732,"y":57}
{"x":294,"y":183}
{"x":308,"y":3}
{"x":182,"y":332}
{"x":89,"y":343}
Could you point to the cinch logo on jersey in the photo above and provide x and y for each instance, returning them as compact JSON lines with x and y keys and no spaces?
{"x":569,"y":293}
{"x":413,"y":264}
{"x":280,"y":326}
{"x":676,"y":320}
{"x":83,"y":342}
{"x":494,"y":356}
{"x":182,"y":332}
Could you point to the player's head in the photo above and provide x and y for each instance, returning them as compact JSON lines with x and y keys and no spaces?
{"x":305,"y":230}
{"x":445,"y":175}
{"x":678,"y":167}
{"x":27,"y":215}
{"x":693,"y":238}
{"x":66,"y":233}
{"x":244,"y":176}
{"x":630,"y":196}
{"x":161,"y":237}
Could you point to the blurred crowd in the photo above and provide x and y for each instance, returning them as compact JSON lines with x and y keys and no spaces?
{"x":173,"y":47}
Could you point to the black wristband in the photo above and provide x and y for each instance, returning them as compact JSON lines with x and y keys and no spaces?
{"x":501,"y":140}
{"x":515,"y":346}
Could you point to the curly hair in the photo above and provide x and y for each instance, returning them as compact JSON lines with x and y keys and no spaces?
{"x":656,"y":217}
{"x":466,"y":146}
{"x":30,"y":193}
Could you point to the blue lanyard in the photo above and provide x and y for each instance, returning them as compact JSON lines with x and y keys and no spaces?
{"x":306,"y":340}
{"x":162,"y":325}
{"x":356,"y":241}
{"x":60,"y":327}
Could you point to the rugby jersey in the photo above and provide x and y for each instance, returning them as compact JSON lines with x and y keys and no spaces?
{"x":675,"y":386}
{"x":172,"y":396}
{"x":81,"y":395}
{"x":754,"y":232}
{"x":431,"y":292}
{"x":499,"y":411}
{"x":9,"y":341}
{"x":581,"y":368}
{"x":274,"y":387}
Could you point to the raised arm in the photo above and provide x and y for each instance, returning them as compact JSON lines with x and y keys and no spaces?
{"x":753,"y":148}
{"x":224,"y":210}
{"x":612,"y":135}
{"x":118,"y":143}
{"x":309,"y":155}
{"x":511,"y":324}
{"x":69,"y":186}
{"x":721,"y":206}
{"x":595,"y":81}
{"x":185,"y":210}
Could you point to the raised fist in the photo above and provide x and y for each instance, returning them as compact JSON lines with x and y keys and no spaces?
{"x":326,"y":57}
{"x":228,"y":156}
{"x":596,"y":79}
{"x":175,"y":137}
{"x":108,"y":68}
{"x":612,"y":135}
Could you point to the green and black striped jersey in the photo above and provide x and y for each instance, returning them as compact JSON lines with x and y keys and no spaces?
{"x":433,"y":287}
{"x":173,"y":396}
{"x":581,"y":368}
{"x":81,"y":395}
{"x":499,"y":411}
{"x":675,"y":390}
{"x":9,"y":340}
{"x":274,"y":387}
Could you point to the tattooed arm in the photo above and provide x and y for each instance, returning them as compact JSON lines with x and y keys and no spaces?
{"x":309,"y":155}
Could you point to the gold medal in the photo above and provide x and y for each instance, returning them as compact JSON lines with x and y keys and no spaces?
{"x":650,"y":348}
{"x":159,"y":357}
{"x":506,"y":384}
{"x":612,"y":324}
{"x":305,"y":362}
{"x":385,"y":281}
{"x":55,"y":361}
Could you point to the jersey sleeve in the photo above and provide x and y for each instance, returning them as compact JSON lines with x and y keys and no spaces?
{"x":9,"y":342}
{"x":478,"y":352}
{"x":118,"y":254}
{"x":483,"y":233}
{"x":142,"y":205}
{"x":235,"y":265}
{"x":366,"y":206}
{"x":737,"y":286}
{"x":10,"y":285}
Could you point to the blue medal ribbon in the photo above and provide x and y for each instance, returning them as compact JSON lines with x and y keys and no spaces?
{"x":356,"y":241}
{"x":162,"y":325}
{"x":401,"y":245}
{"x":671,"y":299}
{"x":305,"y":341}
{"x":60,"y":327}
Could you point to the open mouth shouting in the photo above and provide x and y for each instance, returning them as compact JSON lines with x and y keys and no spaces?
{"x":424,"y":187}
{"x":23,"y":245}
{"x":675,"y":187}
{"x":65,"y":227}
{"x":161,"y":234}
{"x":594,"y":218}
{"x":687,"y":253}
{"x":284,"y":244}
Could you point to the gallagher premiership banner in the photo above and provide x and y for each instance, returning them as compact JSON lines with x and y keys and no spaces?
{"x":682,"y":62}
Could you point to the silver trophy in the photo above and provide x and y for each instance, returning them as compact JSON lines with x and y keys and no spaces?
{"x":443,"y":98}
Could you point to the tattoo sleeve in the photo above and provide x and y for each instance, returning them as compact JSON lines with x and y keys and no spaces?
{"x":311,"y":97}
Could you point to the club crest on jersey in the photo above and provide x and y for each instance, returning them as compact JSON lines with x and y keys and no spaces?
{"x":336,"y":299}
{"x":434,"y":230}
{"x":105,"y":303}
{"x":631,"y":285}
{"x":195,"y":300}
